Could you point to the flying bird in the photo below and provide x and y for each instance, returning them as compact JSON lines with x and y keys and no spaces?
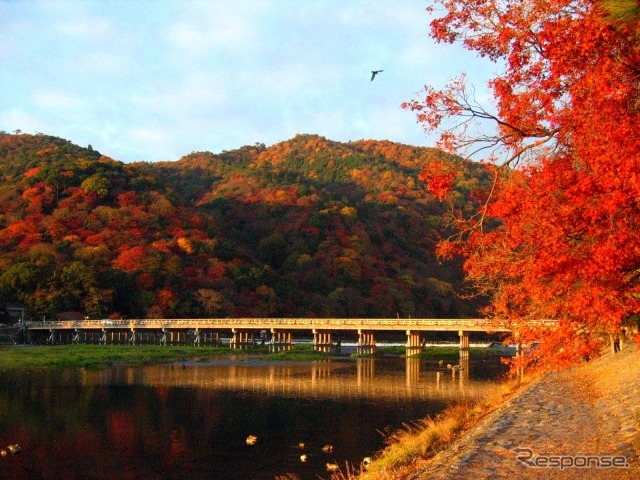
{"x":374,"y":73}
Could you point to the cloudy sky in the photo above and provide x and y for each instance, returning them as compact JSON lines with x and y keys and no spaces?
{"x":157,"y":79}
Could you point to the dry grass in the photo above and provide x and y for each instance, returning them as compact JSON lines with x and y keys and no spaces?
{"x":411,"y":448}
{"x":416,"y":443}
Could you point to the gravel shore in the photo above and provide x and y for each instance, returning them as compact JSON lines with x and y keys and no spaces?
{"x":582,"y":423}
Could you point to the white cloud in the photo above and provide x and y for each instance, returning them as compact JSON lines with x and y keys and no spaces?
{"x":85,"y":28}
{"x":58,"y":100}
{"x":16,"y":119}
{"x":197,"y":92}
{"x":203,"y":27}
{"x":151,"y":80}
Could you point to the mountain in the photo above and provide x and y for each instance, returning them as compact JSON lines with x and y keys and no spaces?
{"x":307,"y":227}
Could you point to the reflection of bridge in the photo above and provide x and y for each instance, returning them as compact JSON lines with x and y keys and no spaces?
{"x":248,"y":332}
{"x":334,"y":380}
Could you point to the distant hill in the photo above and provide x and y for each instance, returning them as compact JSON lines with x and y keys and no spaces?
{"x":307,"y":227}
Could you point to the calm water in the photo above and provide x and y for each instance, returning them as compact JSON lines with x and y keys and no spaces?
{"x":190,"y":422}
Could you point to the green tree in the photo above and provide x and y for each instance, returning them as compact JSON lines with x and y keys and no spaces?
{"x":98,"y":184}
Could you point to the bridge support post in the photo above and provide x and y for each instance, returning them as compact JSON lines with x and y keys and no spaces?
{"x":212,"y":337}
{"x":196,"y":338}
{"x":366,"y":343}
{"x":76,"y":336}
{"x":322,"y":341}
{"x":132,"y":338}
{"x":464,"y":345}
{"x":281,"y":340}
{"x":414,"y":344}
{"x":242,"y":338}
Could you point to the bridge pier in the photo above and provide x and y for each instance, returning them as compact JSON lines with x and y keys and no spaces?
{"x":171,"y":337}
{"x":281,"y":340}
{"x":323,"y":341}
{"x":211,"y":337}
{"x":414,"y":343}
{"x":366,"y":343}
{"x":242,"y":338}
{"x":464,"y":345}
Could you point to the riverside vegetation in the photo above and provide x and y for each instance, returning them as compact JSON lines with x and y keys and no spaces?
{"x":101,"y":356}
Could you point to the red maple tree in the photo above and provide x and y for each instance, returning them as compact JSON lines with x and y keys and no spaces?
{"x":565,"y":152}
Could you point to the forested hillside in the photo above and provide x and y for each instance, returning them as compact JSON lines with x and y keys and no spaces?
{"x":307,"y":227}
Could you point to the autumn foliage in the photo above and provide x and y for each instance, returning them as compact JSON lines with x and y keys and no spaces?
{"x":307,"y":227}
{"x":557,"y":237}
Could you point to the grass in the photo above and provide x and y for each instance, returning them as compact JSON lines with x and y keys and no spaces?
{"x":398,"y":350}
{"x":416,"y":443}
{"x":453,"y":353}
{"x":100,"y":356}
{"x":298,"y":353}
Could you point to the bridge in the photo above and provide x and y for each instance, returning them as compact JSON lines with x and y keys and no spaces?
{"x":277,"y":333}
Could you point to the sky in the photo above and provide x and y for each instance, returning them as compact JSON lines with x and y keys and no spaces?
{"x":150,"y":80}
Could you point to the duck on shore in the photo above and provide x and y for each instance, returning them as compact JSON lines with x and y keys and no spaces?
{"x":332,"y":467}
{"x":13,"y":449}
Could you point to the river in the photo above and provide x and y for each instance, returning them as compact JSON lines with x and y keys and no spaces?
{"x":191,"y":421}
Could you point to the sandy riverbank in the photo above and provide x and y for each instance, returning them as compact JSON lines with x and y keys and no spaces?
{"x":554,"y":427}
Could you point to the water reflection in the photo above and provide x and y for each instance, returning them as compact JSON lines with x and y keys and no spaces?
{"x":168,"y":422}
{"x":370,"y":378}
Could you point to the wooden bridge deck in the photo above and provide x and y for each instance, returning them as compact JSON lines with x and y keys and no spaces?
{"x":355,"y":324}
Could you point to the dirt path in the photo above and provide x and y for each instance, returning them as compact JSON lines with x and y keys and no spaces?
{"x":589,"y":411}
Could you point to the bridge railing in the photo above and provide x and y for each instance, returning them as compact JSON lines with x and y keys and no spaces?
{"x":394,"y":323}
